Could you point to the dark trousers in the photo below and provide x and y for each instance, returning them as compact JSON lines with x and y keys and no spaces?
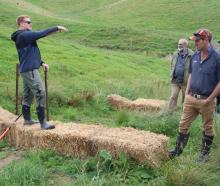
{"x":218,"y":100}
{"x":33,"y":87}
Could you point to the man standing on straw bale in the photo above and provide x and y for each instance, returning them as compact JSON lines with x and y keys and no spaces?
{"x":30,"y":62}
{"x":179,"y":72}
{"x":202,"y":88}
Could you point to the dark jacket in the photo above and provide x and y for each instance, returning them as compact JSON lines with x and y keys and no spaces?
{"x":28,"y":51}
{"x":173,"y":65}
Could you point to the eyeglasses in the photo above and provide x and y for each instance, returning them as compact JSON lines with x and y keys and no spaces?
{"x":28,"y":22}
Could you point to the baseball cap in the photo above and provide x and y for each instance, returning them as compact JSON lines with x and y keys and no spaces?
{"x":202,"y":34}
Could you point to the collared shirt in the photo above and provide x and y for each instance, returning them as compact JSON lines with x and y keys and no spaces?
{"x":205,"y":75}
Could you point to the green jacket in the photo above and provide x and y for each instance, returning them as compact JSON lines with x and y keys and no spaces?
{"x":173,"y":65}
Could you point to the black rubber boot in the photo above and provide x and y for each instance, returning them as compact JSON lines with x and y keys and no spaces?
{"x":41,"y":116}
{"x":206,"y":146}
{"x":27,"y":116}
{"x":181,"y":142}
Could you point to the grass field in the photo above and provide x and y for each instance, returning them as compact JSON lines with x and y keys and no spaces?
{"x":118,"y":47}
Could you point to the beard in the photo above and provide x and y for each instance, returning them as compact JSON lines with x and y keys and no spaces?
{"x":180,"y":49}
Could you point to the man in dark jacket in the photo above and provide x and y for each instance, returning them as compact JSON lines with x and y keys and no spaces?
{"x":179,"y":72}
{"x":30,"y":62}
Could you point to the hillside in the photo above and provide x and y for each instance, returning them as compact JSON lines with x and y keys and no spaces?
{"x":112,"y":47}
{"x":80,"y":68}
{"x":140,"y":25}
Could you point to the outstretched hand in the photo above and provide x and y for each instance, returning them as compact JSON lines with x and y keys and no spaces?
{"x":62,"y":29}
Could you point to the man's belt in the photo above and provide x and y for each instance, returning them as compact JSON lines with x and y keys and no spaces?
{"x":197,"y":96}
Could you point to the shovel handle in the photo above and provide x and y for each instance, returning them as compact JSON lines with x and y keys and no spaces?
{"x":8,"y":128}
{"x":17,"y":88}
{"x":5,"y":132}
{"x":46,"y":92}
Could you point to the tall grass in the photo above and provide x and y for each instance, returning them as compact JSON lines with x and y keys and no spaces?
{"x":24,"y":174}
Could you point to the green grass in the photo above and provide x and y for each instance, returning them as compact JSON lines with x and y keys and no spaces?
{"x":111,"y":47}
{"x":88,"y":70}
{"x":25,"y":173}
{"x":141,"y":25}
{"x":39,"y":166}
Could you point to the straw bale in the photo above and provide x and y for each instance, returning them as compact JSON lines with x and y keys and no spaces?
{"x":119,"y":102}
{"x":82,"y":140}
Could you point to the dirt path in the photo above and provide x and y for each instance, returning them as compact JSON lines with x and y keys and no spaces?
{"x":12,"y":156}
{"x":24,"y":5}
{"x":115,"y":3}
{"x":60,"y":179}
{"x":21,"y":4}
{"x":107,"y":6}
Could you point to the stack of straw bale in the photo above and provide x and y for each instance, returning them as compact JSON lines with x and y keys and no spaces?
{"x":81,"y":140}
{"x":119,"y":102}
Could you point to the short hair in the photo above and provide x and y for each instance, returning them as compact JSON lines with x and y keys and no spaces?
{"x":21,"y":18}
{"x":183,"y":40}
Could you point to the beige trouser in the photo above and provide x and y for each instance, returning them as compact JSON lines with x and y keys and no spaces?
{"x":191,"y":108}
{"x":175,"y":90}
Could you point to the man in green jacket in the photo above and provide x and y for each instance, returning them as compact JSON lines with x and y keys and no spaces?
{"x":179,"y":72}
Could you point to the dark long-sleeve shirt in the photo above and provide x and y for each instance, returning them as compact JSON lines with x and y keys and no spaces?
{"x":28,"y":51}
